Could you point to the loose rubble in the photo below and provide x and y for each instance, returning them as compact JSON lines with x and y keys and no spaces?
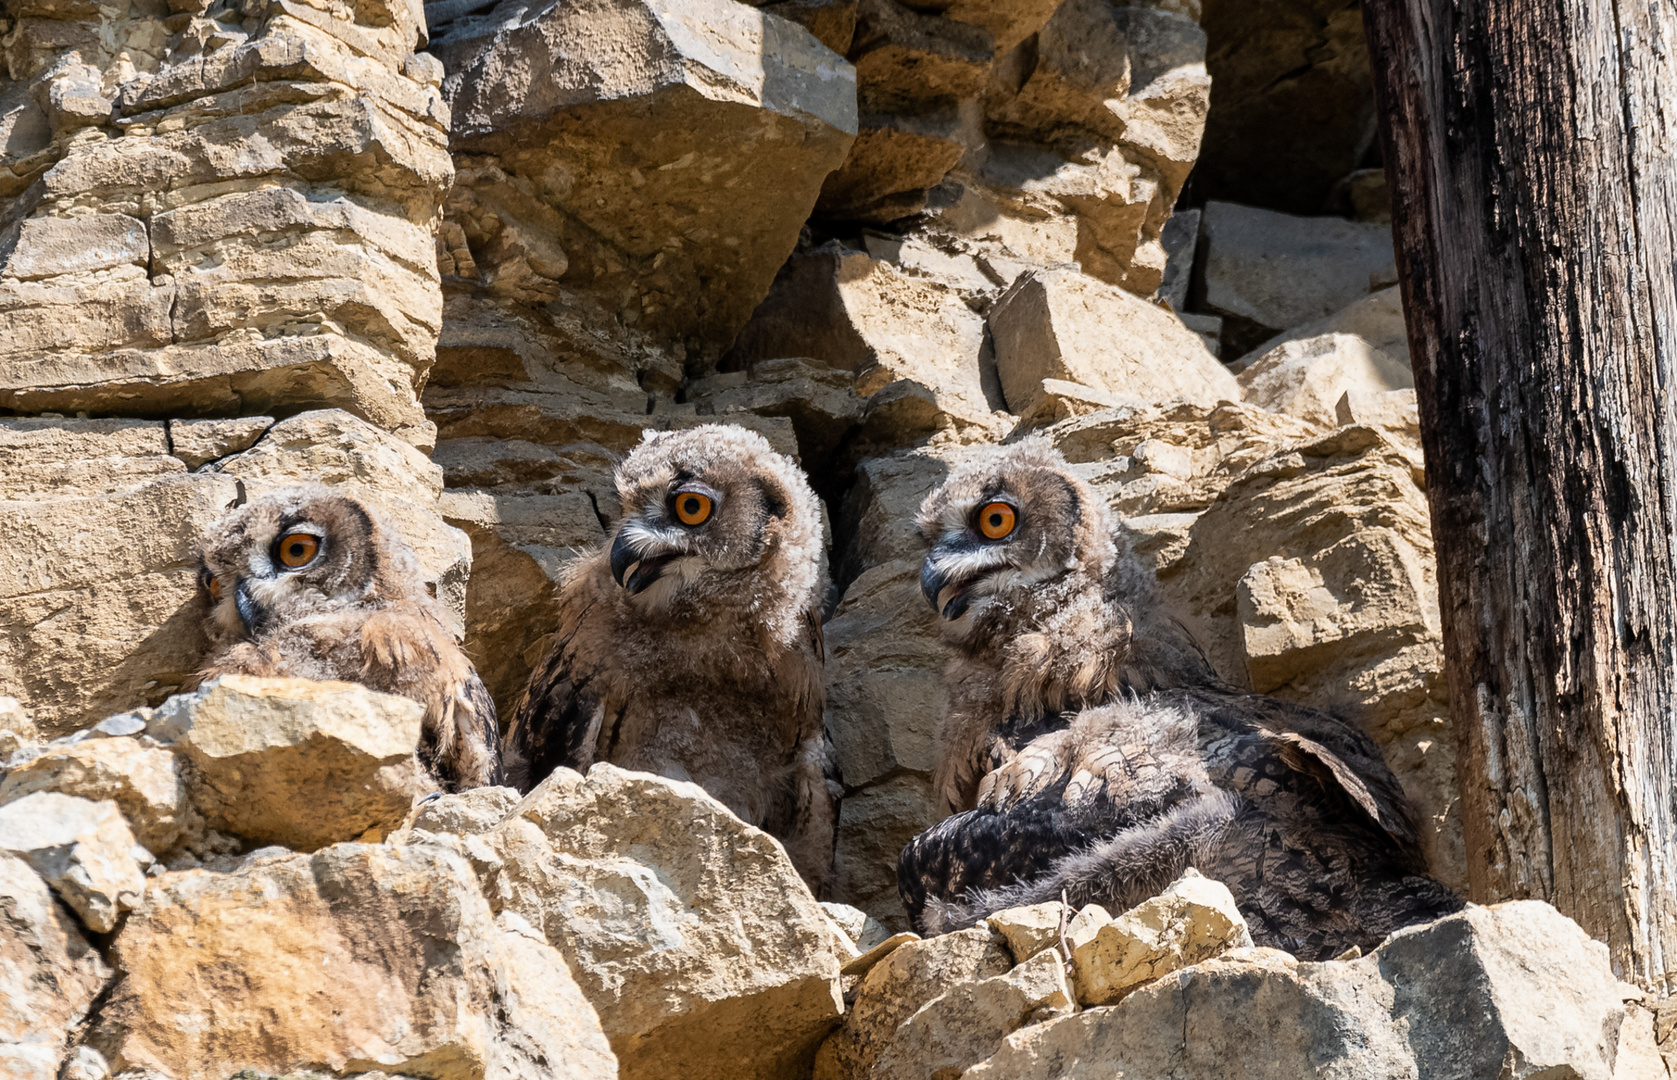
{"x":83,"y":849}
{"x":1192,"y":920}
{"x":1510,"y":990}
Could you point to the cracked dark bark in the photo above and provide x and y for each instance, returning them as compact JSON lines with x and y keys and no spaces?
{"x":1529,"y":147}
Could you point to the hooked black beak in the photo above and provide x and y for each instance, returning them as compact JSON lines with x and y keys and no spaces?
{"x":634,"y":572}
{"x":249,"y":614}
{"x":934,"y":581}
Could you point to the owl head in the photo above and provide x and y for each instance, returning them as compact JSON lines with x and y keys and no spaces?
{"x":297,"y":551}
{"x":714,"y":519}
{"x":1010,"y":525}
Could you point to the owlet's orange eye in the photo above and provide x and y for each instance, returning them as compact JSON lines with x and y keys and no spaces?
{"x":997,"y":520}
{"x":298,"y":549}
{"x":691,"y":508}
{"x":215,"y":588}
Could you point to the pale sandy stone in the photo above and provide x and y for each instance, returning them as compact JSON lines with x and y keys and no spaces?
{"x":606,"y":131}
{"x":356,"y":956}
{"x":688,"y":930}
{"x":1307,"y":377}
{"x":82,"y":848}
{"x":913,"y":974}
{"x":145,"y":782}
{"x":967,"y":1022}
{"x":295,"y":762}
{"x":49,"y":973}
{"x":1516,"y":990}
{"x":1194,"y":919}
{"x":1064,"y":325}
{"x":1031,"y":929}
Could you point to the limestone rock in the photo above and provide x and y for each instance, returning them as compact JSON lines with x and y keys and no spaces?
{"x":884,"y":667}
{"x":85,"y":1063}
{"x":879,"y":820}
{"x":1377,"y":318}
{"x":1395,"y":410}
{"x":1362,"y":195}
{"x":864,"y":931}
{"x":1092,"y":129}
{"x":912,"y":975}
{"x":689,"y":931}
{"x":967,"y":1023}
{"x":1023,"y":135}
{"x":1180,"y":237}
{"x":1031,"y":929}
{"x":833,"y":22}
{"x":858,"y":314}
{"x":145,"y":782}
{"x":821,"y":402}
{"x":294,"y":762}
{"x":860,"y":965}
{"x":464,"y":813}
{"x":1295,"y":96}
{"x":521,"y":543}
{"x":356,"y":956}
{"x":213,"y":239}
{"x":1132,"y":73}
{"x":1515,"y":990}
{"x":547,"y":1023}
{"x":893,"y":163}
{"x":49,"y":974}
{"x":17,"y":728}
{"x":1335,"y":598}
{"x":1064,"y":325}
{"x":1266,"y":272}
{"x":102,"y":615}
{"x":82,"y":848}
{"x":907,"y":60}
{"x":1307,"y":377}
{"x":657,"y":156}
{"x":1191,"y":921}
{"x":197,"y":442}
{"x":884,"y":703}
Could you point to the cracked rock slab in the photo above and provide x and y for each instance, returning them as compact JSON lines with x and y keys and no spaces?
{"x":295,"y":762}
{"x":83,"y":849}
{"x":659,"y":156}
{"x":49,"y":974}
{"x":1514,"y":990}
{"x":357,"y":957}
{"x":688,"y":930}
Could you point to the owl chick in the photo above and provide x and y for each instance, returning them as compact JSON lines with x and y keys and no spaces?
{"x":1091,"y":753}
{"x":690,"y":645}
{"x":309,"y":583}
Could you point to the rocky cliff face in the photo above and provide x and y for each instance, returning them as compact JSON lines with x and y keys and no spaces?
{"x":456,"y":259}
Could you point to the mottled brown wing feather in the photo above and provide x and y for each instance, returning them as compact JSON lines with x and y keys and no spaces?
{"x":406,"y":650}
{"x":553,"y":722}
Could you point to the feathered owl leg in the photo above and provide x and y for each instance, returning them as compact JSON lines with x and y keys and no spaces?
{"x":245,"y":658}
{"x":812,"y":832}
